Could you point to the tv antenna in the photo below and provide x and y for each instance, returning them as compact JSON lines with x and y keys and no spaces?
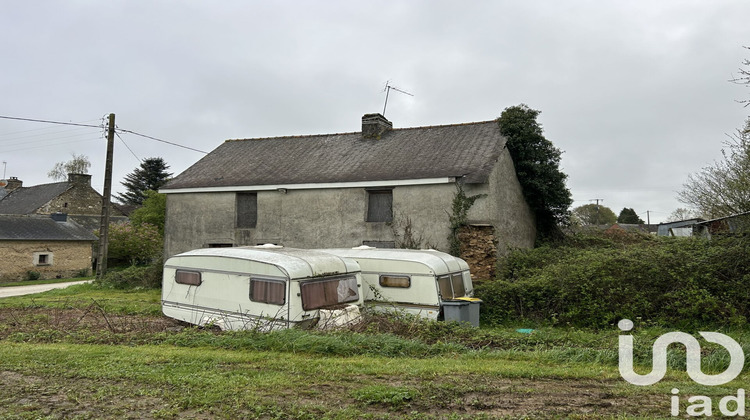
{"x":388,"y":89}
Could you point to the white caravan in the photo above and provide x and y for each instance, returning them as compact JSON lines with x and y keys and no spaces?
{"x":421,"y":282}
{"x":265,"y":288}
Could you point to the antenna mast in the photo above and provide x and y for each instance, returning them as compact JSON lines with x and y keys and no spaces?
{"x":387,"y":90}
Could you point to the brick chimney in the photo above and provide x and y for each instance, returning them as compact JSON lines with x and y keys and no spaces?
{"x":80,"y":179}
{"x":374,"y":125}
{"x":13,"y":184}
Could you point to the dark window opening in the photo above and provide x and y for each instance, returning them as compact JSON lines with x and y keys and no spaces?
{"x":220,"y":245}
{"x":247,"y":210}
{"x":380,"y":244}
{"x":43,"y":259}
{"x":379,"y":205}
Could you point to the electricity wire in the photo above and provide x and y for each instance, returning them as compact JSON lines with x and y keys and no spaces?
{"x":101,"y":126}
{"x":163,"y":141}
{"x":128,"y":147}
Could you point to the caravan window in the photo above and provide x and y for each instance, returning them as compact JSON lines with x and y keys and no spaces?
{"x":320,"y":293}
{"x":395,"y":281}
{"x":457,"y":281}
{"x":451,"y":286}
{"x":192,"y":278}
{"x":268,"y":291}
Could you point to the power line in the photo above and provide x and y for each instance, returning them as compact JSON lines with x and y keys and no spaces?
{"x":101,"y":126}
{"x":128,"y":147}
{"x":163,"y":141}
{"x":49,"y":121}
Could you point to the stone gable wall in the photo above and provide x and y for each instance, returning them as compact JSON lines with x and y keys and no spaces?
{"x":68,"y":259}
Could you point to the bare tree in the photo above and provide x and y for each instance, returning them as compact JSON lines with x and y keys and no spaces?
{"x":743,"y":78}
{"x":723,"y":188}
{"x":79,"y":164}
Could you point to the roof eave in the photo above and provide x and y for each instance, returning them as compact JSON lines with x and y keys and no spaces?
{"x":312,"y":185}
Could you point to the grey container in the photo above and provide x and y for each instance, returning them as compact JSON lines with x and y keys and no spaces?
{"x":462,"y":311}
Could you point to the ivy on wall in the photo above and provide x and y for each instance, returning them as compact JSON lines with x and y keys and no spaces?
{"x":537,"y":163}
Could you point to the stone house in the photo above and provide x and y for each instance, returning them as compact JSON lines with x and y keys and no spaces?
{"x":74,"y":197}
{"x":53,"y":246}
{"x":380,"y":187}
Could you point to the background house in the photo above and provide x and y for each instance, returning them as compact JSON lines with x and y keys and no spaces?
{"x":53,"y":246}
{"x":74,"y":197}
{"x":373,"y":187}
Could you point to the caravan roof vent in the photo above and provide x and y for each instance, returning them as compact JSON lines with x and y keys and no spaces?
{"x":364,"y":247}
{"x":269,"y":246}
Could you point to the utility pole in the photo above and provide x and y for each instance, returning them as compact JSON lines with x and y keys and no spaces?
{"x":598,"y":219}
{"x":101,"y":263}
{"x":648,"y":217}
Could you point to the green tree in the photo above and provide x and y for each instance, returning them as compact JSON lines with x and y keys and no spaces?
{"x":629,"y":216}
{"x":152,"y":212}
{"x":136,"y":245}
{"x":537,"y":163}
{"x":151,"y":175}
{"x":593,"y":214}
{"x":722,"y":189}
{"x":79,"y":164}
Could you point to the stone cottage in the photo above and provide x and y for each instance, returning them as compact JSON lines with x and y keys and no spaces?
{"x":52,"y":246}
{"x":380,"y":187}
{"x":74,"y":197}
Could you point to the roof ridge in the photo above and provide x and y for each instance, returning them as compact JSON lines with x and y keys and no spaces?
{"x":44,"y":185}
{"x":300,"y":136}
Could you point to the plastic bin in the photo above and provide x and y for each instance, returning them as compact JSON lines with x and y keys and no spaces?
{"x":461,"y":311}
{"x":473,"y":310}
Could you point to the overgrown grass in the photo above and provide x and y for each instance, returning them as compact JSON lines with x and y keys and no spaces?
{"x":93,"y":352}
{"x":595,"y":280}
{"x":81,"y":296}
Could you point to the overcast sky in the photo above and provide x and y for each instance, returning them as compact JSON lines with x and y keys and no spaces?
{"x":635,"y":93}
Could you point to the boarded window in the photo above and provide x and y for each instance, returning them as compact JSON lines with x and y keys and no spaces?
{"x":268,"y":291}
{"x":247,"y":210}
{"x":320,"y":293}
{"x":395,"y":281}
{"x":192,"y":278}
{"x":379,"y":205}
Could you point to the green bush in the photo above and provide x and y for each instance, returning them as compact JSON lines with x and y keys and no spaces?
{"x":595,"y":281}
{"x":146,"y":277}
{"x":33,"y":275}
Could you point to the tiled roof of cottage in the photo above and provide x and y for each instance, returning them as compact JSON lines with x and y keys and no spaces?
{"x":468,"y":150}
{"x":27,"y":200}
{"x":41,"y":228}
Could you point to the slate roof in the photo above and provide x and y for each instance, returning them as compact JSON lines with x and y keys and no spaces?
{"x":26,"y":200}
{"x":468,"y":150}
{"x":41,"y":228}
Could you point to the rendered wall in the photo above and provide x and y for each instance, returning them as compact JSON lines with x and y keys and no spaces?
{"x":325,"y":218}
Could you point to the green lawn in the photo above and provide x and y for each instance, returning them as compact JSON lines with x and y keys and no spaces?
{"x":87,"y":352}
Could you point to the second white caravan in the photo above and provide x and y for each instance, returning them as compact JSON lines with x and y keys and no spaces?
{"x":421,"y":282}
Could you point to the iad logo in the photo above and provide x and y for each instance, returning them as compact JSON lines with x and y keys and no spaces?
{"x":693,"y":350}
{"x":702,"y":404}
